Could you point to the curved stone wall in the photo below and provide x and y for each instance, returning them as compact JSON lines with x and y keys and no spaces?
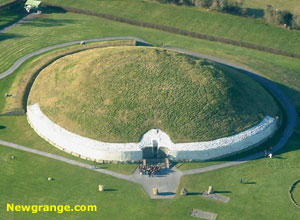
{"x":96,"y":150}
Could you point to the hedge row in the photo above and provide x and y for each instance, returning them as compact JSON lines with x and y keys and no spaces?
{"x":176,"y":31}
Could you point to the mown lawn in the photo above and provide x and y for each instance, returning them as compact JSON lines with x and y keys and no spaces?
{"x":196,"y":20}
{"x":267,"y":181}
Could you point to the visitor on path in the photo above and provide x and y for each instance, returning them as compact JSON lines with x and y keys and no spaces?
{"x":266,"y":153}
{"x":270,"y":155}
{"x":149,"y":170}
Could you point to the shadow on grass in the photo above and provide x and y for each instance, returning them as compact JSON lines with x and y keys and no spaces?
{"x":279,"y":157}
{"x":4,"y":36}
{"x":48,"y":22}
{"x":194,"y":194}
{"x":166,"y":193}
{"x":53,"y":9}
{"x":110,"y":190}
{"x":254,"y":12}
{"x":2,"y":127}
{"x":224,"y":191}
{"x":100,"y":167}
{"x":249,"y":183}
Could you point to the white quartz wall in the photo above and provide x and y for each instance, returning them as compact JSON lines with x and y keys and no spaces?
{"x":225,"y":146}
{"x":76,"y":144}
{"x":96,"y":150}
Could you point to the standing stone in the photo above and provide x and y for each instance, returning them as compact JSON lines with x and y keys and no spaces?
{"x":167,"y":163}
{"x":101,"y":188}
{"x":155,"y":191}
{"x":144,"y":162}
{"x":183,"y":192}
{"x":210,"y":190}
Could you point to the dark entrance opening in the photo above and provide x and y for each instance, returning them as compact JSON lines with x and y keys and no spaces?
{"x":155,"y":148}
{"x":151,"y":152}
{"x":155,"y":152}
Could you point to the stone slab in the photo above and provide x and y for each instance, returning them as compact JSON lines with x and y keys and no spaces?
{"x":217,"y":197}
{"x":203,"y":215}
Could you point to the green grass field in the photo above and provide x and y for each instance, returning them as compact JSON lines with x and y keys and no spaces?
{"x":144,"y":88}
{"x":296,"y":193}
{"x":2,"y":2}
{"x":9,"y":16}
{"x":291,"y":5}
{"x":24,"y":180}
{"x":193,"y":19}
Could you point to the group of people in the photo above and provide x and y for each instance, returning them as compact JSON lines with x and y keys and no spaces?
{"x":267,"y":154}
{"x":149,"y":169}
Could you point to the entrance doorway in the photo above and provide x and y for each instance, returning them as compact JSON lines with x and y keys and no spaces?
{"x":155,"y":152}
{"x":155,"y":148}
{"x":151,"y":152}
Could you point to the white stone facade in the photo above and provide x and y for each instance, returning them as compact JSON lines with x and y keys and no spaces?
{"x":96,"y":150}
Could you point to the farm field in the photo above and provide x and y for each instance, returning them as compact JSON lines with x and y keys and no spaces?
{"x":193,"y":19}
{"x":292,"y":5}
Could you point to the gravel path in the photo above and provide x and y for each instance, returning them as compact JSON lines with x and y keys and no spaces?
{"x":167,"y":182}
{"x":46,"y":49}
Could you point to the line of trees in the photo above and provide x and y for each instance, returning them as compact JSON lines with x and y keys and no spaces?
{"x":282,"y":17}
{"x":175,"y":30}
{"x":227,"y":6}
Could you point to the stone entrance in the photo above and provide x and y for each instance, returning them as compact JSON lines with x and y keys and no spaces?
{"x":155,"y":152}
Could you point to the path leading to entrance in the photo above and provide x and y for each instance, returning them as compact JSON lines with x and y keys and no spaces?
{"x":167,"y":182}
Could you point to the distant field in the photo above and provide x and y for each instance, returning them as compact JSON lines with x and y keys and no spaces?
{"x":291,"y":5}
{"x":200,"y":21}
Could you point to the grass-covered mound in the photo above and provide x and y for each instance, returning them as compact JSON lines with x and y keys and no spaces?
{"x":116,"y":94}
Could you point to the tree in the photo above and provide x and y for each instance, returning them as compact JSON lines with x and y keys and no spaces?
{"x":296,"y":20}
{"x":203,"y":3}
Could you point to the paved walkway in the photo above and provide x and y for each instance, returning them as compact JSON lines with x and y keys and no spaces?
{"x":46,"y":49}
{"x":167,"y":182}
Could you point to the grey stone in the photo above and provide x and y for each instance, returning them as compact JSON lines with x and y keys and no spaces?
{"x":203,"y":215}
